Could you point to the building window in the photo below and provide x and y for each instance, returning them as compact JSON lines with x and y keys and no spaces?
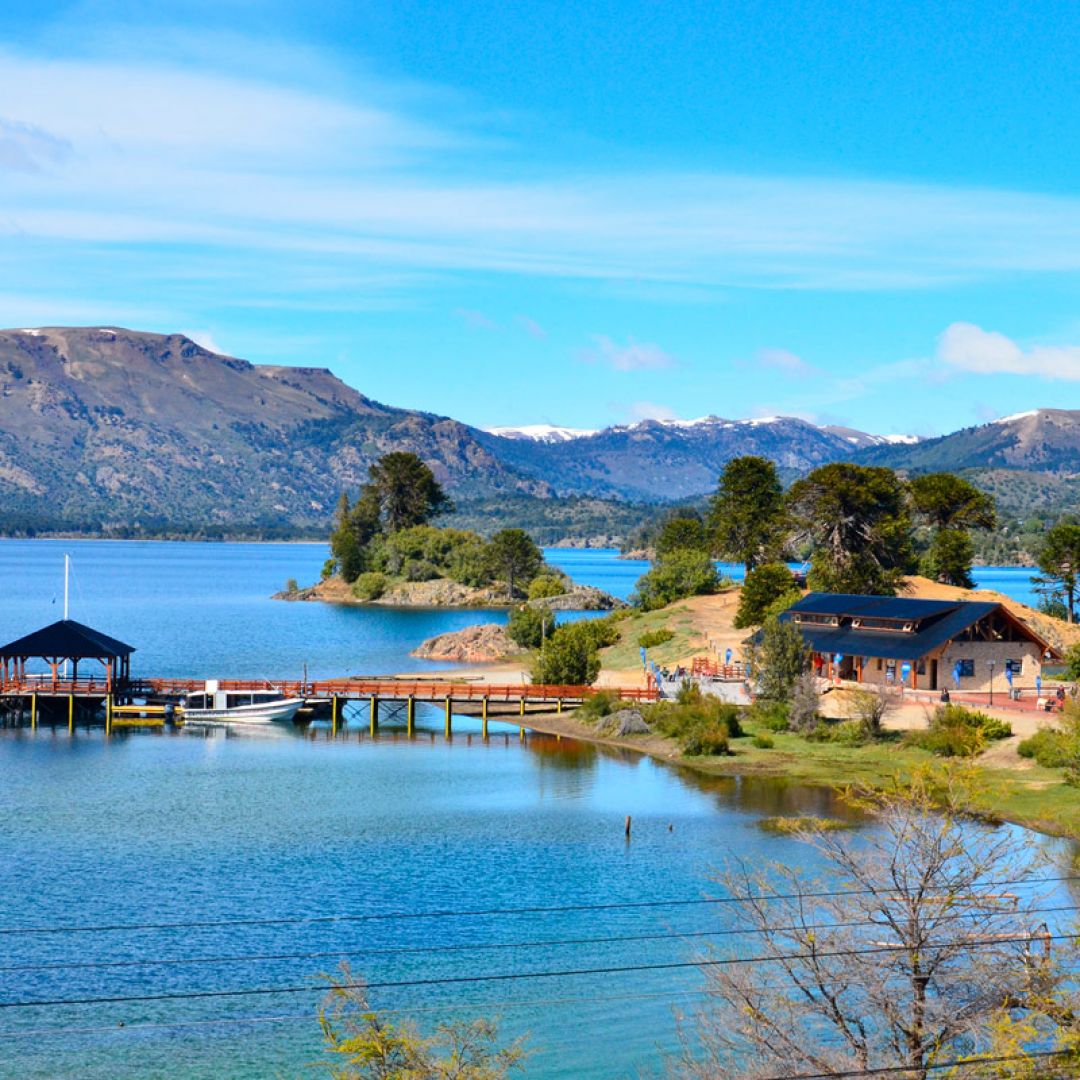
{"x":967,"y":668}
{"x":1015,"y":666}
{"x":920,"y":667}
{"x":879,"y":663}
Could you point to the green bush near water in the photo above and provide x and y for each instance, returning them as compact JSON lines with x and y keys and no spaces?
{"x":545,"y":586}
{"x":956,"y":731}
{"x":369,"y":585}
{"x":701,"y":724}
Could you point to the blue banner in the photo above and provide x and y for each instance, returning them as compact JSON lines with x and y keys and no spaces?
{"x":1008,"y":674}
{"x":956,"y":674}
{"x":905,"y":671}
{"x":727,"y":657}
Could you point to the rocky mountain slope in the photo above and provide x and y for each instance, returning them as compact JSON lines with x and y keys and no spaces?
{"x":1043,"y":440}
{"x":104,"y":425}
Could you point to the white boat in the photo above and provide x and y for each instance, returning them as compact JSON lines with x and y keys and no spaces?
{"x":216,"y":706}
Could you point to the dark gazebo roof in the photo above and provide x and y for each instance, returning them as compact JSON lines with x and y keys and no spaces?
{"x":68,"y":639}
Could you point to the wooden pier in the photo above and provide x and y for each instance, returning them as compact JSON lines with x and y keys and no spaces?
{"x":149,"y":702}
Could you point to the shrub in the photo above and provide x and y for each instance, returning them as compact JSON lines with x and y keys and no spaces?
{"x":870,"y":705}
{"x":291,"y":586}
{"x":956,"y":731}
{"x":529,"y":626}
{"x":675,"y":576}
{"x":1051,"y":748}
{"x":779,"y":658}
{"x":571,"y":656}
{"x":763,"y":742}
{"x":764,"y":587}
{"x":419,"y":570}
{"x":547,"y":585}
{"x":600,"y":705}
{"x":652,"y":638}
{"x":1072,"y":663}
{"x":772,"y":715}
{"x":846,"y":733}
{"x":328,"y":568}
{"x":369,"y":586}
{"x":706,"y":739}
{"x":803,"y":824}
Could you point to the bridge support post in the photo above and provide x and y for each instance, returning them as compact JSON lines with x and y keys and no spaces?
{"x":484,"y":717}
{"x":521,"y":733}
{"x":333,"y":714}
{"x":521,"y":706}
{"x":373,"y":710}
{"x":71,"y":714}
{"x":33,"y":712}
{"x":558,"y":705}
{"x":108,"y":714}
{"x":449,"y":725}
{"x":410,"y":716}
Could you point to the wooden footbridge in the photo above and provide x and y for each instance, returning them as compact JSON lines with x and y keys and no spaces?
{"x":148,"y":702}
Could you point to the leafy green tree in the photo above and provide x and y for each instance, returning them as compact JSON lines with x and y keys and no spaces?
{"x":746,"y":519}
{"x":856,"y":521}
{"x":951,"y":506}
{"x":405,"y":490}
{"x":1072,"y":663}
{"x":530,"y":625}
{"x":345,"y":547}
{"x":949,"y":558}
{"x":948,"y":501}
{"x":547,"y":585}
{"x":675,"y":576}
{"x":513,"y":558}
{"x":1059,"y":561}
{"x":681,"y":534}
{"x":764,"y":586}
{"x":779,"y":657}
{"x":571,"y":656}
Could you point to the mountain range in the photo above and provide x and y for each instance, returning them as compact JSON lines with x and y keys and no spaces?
{"x":103,"y":428}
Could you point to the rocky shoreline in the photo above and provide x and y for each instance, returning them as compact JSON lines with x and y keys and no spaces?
{"x":486,"y":643}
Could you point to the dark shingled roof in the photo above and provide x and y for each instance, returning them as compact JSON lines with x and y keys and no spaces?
{"x":68,"y":639}
{"x":938,"y":621}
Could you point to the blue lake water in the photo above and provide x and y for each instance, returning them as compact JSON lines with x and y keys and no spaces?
{"x":346,"y":845}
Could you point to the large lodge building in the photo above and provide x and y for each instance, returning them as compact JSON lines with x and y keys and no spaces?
{"x":921,"y":644}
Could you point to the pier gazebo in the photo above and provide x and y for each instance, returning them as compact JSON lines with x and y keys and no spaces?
{"x":64,"y":641}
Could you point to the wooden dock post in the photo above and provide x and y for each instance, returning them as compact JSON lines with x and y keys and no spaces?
{"x":71,"y":714}
{"x":521,"y":706}
{"x":410,"y":716}
{"x":33,"y":712}
{"x":558,"y":705}
{"x":108,"y":714}
{"x":333,"y":714}
{"x":373,"y":711}
{"x":484,"y":717}
{"x":449,"y":727}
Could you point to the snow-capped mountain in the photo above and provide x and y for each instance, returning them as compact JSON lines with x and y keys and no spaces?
{"x":547,"y":433}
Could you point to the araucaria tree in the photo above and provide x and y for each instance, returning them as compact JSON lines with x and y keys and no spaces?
{"x":930,"y":952}
{"x":1059,"y":561}
{"x":855,"y":519}
{"x":746,"y":517}
{"x":951,"y":507}
{"x":405,"y":490}
{"x":513,"y":558}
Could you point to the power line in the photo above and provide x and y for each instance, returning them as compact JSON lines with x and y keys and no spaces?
{"x":453,"y":980}
{"x":484,"y":912}
{"x":186,"y":961}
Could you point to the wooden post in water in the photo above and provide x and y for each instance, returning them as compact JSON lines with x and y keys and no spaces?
{"x":71,"y":714}
{"x":521,"y":706}
{"x":410,"y":716}
{"x":33,"y":712}
{"x":108,"y":714}
{"x":333,"y":714}
{"x":521,"y":733}
{"x":558,"y":705}
{"x":449,"y":728}
{"x":373,"y":717}
{"x":484,"y":717}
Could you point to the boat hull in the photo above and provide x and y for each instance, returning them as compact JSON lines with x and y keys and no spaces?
{"x":263,"y":712}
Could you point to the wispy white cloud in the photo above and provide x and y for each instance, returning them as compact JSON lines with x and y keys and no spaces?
{"x":970,"y":348}
{"x":280,"y":164}
{"x":477,"y":320}
{"x":785,"y":362}
{"x":649,"y":410}
{"x":633,"y":356}
{"x":531,"y":327}
{"x":206,"y":340}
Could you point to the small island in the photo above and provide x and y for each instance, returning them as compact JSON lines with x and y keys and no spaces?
{"x":384,"y":550}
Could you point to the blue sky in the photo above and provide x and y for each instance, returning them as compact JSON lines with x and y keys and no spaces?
{"x":565,"y":213}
